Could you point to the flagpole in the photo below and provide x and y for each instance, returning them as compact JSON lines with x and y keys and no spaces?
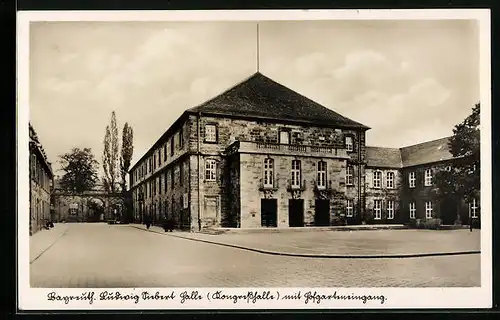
{"x":258,"y":53}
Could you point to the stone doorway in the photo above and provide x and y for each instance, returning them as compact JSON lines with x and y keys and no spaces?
{"x":296,"y":212}
{"x":269,"y":212}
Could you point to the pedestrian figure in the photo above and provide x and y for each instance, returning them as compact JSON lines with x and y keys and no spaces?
{"x":148,"y":222}
{"x":470,"y":225}
{"x":168,"y":225}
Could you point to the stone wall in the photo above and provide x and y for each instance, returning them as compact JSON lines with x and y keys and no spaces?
{"x":383,"y":193}
{"x":215,"y":203}
{"x":251,"y":173}
{"x":421,"y":193}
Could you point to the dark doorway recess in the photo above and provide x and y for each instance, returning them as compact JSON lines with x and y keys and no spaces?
{"x":269,"y":212}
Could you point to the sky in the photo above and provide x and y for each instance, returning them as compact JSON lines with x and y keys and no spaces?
{"x":409,"y":81}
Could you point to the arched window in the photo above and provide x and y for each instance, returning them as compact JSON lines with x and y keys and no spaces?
{"x":268,"y":172}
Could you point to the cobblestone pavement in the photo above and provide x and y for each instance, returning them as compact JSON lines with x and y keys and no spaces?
{"x":363,"y":242}
{"x":100,"y":256}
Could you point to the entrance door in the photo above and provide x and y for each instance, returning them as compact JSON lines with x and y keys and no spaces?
{"x":284,"y":137}
{"x":322,"y":213}
{"x":448,"y":210}
{"x":269,"y":212}
{"x":296,"y":212}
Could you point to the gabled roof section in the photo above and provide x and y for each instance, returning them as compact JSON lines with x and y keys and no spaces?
{"x":383,"y":157}
{"x":262,"y":98}
{"x":427,"y":152}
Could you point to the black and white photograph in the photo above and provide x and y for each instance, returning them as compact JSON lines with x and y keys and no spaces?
{"x":319,"y":159}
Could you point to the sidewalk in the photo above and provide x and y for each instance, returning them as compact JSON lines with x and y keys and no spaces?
{"x":44,"y":239}
{"x":331,"y":244}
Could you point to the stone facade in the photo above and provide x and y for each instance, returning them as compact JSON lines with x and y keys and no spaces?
{"x":41,"y":181}
{"x":261,"y":155}
{"x":419,"y":195}
{"x":383,"y":185}
{"x":232,"y":196}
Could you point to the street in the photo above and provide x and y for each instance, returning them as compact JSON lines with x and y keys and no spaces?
{"x":96,"y":255}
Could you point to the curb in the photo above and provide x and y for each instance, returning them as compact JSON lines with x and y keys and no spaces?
{"x":321,"y":256}
{"x":50,"y":246}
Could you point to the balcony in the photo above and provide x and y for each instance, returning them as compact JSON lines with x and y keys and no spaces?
{"x":269,"y":187}
{"x":287,"y":149}
{"x":296,"y":187}
{"x":327,"y":187}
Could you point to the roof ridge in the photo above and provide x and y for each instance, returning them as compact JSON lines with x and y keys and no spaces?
{"x":227,"y":90}
{"x":311,"y":100}
{"x":426,"y":142}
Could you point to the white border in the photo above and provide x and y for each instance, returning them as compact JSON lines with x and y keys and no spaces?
{"x":35,"y":299}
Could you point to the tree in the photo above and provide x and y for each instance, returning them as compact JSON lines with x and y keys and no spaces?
{"x":125,"y":161}
{"x":126,"y":153}
{"x":462,"y":180}
{"x":110,"y":161}
{"x":80,"y":169}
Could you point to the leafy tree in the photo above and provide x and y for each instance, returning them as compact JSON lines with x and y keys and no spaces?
{"x":126,"y":153}
{"x":125,"y":161}
{"x":462,"y":181}
{"x":80,"y":170}
{"x":110,"y":161}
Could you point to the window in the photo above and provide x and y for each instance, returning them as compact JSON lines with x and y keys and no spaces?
{"x":181,"y":174}
{"x":159,"y":185}
{"x":159,"y":157}
{"x":295,"y":173}
{"x":181,"y":138}
{"x":154,"y":161}
{"x":473,"y":208}
{"x":166,"y":175}
{"x":348,"y":175}
{"x":210,"y":133}
{"x":428,"y":177}
{"x":349,"y":208}
{"x":165,"y":152}
{"x":172,"y":177}
{"x":390,"y":209}
{"x":321,"y":174}
{"x":390,"y":180}
{"x":210,"y":169}
{"x":472,"y":169}
{"x":411,"y":179}
{"x":377,"y":209}
{"x":172,"y":145}
{"x":284,"y":137}
{"x":428,"y":209}
{"x":349,"y":144}
{"x":377,"y":179}
{"x":268,"y":172}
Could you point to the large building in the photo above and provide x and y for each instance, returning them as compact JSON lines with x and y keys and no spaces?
{"x":262,"y":155}
{"x":41,"y":178}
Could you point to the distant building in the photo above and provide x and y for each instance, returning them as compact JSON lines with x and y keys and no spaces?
{"x":262,"y":155}
{"x":92,"y":205}
{"x":40,"y":175}
{"x":400,"y":185}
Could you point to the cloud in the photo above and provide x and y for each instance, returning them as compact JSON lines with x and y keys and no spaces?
{"x":368,"y":86}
